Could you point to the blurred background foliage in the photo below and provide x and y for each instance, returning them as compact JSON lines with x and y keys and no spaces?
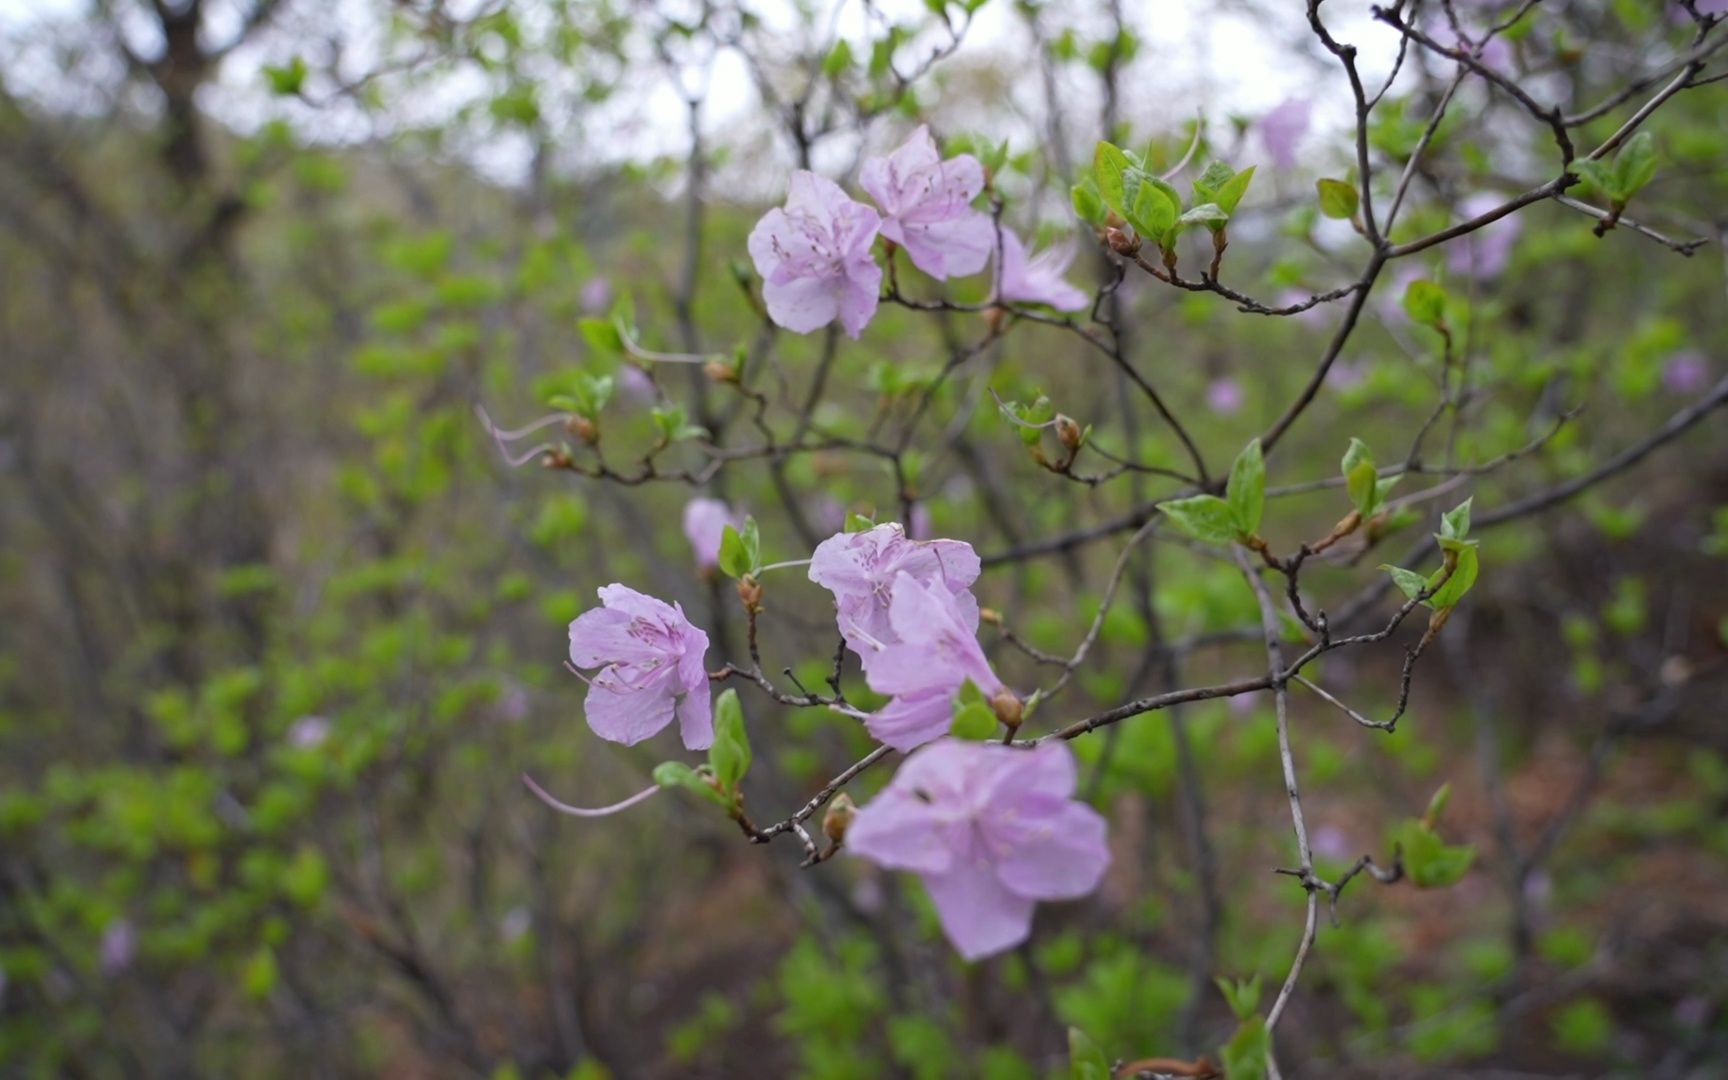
{"x":279,"y":630}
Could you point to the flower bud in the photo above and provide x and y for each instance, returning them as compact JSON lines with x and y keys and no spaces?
{"x":556,"y":458}
{"x":990,"y":615}
{"x":1122,"y":243}
{"x":1068,"y":433}
{"x":838,"y":818}
{"x":720,"y":373}
{"x":1008,"y":709}
{"x":994,"y":316}
{"x":583,"y":428}
{"x":750,"y":592}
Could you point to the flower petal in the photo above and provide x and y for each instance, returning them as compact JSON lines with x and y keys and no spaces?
{"x":1048,"y":849}
{"x":980,"y":916}
{"x":901,"y":831}
{"x":629,"y":716}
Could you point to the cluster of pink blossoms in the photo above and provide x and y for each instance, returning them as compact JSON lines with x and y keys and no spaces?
{"x":991,"y":829}
{"x":816,"y":254}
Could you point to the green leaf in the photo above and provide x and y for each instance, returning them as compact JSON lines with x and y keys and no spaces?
{"x":1108,"y":165}
{"x":1207,"y":184}
{"x":1242,"y":994}
{"x":730,"y":753}
{"x":1337,"y":199}
{"x":974,"y":721}
{"x":1463,"y":577}
{"x":1455,"y":523}
{"x":1086,"y":1060}
{"x":1409,"y":581}
{"x":1437,"y":804}
{"x":602,"y":336}
{"x":1361,"y":478}
{"x":1088,"y":203}
{"x":1598,"y":174}
{"x":676,"y":774}
{"x":1430,"y":862}
{"x":1207,"y":214}
{"x":1204,"y":517}
{"x":1244,"y":1057}
{"x":1230,"y":194}
{"x":1425,"y":303}
{"x":752,"y":537}
{"x":734,"y":557}
{"x":287,"y":80}
{"x":1634,"y":166}
{"x":1154,"y":210}
{"x":838,"y":60}
{"x":1246,"y":491}
{"x":857,"y":523}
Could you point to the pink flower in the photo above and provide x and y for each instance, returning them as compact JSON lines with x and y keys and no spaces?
{"x":1224,"y":396}
{"x":1037,"y":279}
{"x":637,"y":385}
{"x":1686,"y":372}
{"x":991,"y":830}
{"x":1281,"y":130}
{"x":308,"y":732}
{"x":119,"y":946}
{"x":650,"y":658}
{"x":705,"y":522}
{"x":1329,"y":842}
{"x":815,"y":259}
{"x":934,"y":654}
{"x":860,"y":569}
{"x":927,"y":206}
{"x":596,"y":294}
{"x":1483,"y":254}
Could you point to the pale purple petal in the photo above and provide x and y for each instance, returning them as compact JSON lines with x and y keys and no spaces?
{"x":1036,"y":279}
{"x":803,"y":304}
{"x":1048,"y":849}
{"x":909,"y":721}
{"x":978,"y":913}
{"x":901,"y":831}
{"x":596,"y":294}
{"x":860,"y":293}
{"x":696,"y":719}
{"x":600,"y":636}
{"x":629,"y":715}
{"x":119,"y":946}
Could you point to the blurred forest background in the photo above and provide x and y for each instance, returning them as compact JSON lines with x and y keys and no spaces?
{"x":280,"y":629}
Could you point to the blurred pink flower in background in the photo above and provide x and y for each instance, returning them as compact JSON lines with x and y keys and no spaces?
{"x":991,"y":830}
{"x":1483,"y":254}
{"x":596,"y":294}
{"x":815,"y":258}
{"x":1316,"y":316}
{"x":1330,"y":842}
{"x":308,"y":731}
{"x":705,"y":522}
{"x":1346,"y":374}
{"x":1224,"y":395}
{"x":637,"y":385}
{"x":1686,"y":372}
{"x":119,"y":946}
{"x":1282,"y":129}
{"x":926,"y":206}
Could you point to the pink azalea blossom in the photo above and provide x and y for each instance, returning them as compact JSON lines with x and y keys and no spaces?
{"x":1224,"y":396}
{"x":991,"y":830}
{"x":308,"y":732}
{"x":1281,"y":130}
{"x":934,"y":654}
{"x":119,"y":946}
{"x":637,"y":386}
{"x":651,"y":665}
{"x":1483,"y":254}
{"x":927,"y":207}
{"x":1686,"y":372}
{"x":1329,"y":842}
{"x":596,"y":294}
{"x":705,"y":522}
{"x":860,"y":569}
{"x":815,"y":259}
{"x":1037,"y":279}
